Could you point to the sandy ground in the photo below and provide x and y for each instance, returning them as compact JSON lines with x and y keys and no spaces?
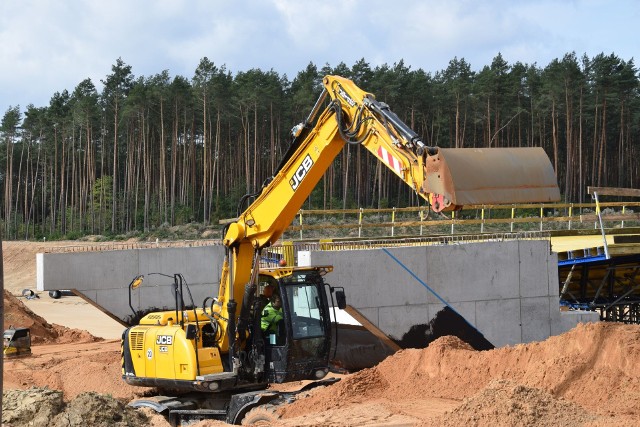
{"x":19,"y":260}
{"x":585,"y":377}
{"x":74,"y":312}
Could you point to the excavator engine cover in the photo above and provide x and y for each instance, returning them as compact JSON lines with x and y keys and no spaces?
{"x":484,"y":176}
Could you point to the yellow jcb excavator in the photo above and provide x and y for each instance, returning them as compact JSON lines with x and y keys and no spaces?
{"x":217,"y":360}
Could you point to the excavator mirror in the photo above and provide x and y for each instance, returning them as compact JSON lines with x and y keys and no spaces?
{"x":191,"y":332}
{"x":341,"y":299}
{"x":136,"y":282}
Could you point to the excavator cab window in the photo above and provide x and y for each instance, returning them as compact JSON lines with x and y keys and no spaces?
{"x":306,"y":314}
{"x":305,"y":301}
{"x":266,"y":289}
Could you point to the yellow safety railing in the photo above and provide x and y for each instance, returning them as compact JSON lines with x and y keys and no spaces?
{"x":474,"y":219}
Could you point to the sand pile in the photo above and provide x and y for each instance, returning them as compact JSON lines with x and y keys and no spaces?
{"x":505,"y":402}
{"x":18,"y":315}
{"x":75,"y":370}
{"x":580,"y":367}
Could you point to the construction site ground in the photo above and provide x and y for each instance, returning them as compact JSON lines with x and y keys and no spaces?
{"x":585,"y":377}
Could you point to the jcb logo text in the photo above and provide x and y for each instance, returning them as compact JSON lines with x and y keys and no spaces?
{"x":346,"y":97}
{"x":164,"y":340}
{"x":301,"y":172}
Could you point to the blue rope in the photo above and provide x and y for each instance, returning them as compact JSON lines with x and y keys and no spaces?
{"x":426,"y":286}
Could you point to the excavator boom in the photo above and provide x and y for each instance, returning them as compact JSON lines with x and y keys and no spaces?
{"x":345,"y":114}
{"x":447,"y":178}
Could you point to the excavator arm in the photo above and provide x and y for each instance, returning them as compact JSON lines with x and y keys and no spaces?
{"x":345,"y":114}
{"x":446,"y":178}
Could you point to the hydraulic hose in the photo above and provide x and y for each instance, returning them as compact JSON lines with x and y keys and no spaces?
{"x":345,"y":132}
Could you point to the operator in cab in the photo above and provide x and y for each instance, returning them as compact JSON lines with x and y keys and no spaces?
{"x":266,"y":295}
{"x":271,"y":315}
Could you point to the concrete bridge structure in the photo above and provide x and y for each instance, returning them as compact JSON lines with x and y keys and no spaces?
{"x":504,"y":288}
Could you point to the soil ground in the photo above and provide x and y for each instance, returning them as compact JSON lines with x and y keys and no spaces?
{"x":585,"y":377}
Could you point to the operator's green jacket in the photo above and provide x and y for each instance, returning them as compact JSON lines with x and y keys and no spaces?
{"x":270,"y":318}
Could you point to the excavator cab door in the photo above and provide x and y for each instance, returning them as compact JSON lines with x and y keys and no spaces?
{"x":301,"y":348}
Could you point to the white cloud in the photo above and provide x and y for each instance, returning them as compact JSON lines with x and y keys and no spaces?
{"x":50,"y":45}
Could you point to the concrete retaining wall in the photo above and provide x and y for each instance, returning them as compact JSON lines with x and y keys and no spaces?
{"x":507,"y":290}
{"x":104,"y":277}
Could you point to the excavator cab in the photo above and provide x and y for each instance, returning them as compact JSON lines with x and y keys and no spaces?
{"x":184,"y":354}
{"x":17,"y":342}
{"x":297,"y":347}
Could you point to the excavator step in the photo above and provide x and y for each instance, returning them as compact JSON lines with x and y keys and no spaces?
{"x":216,"y":377}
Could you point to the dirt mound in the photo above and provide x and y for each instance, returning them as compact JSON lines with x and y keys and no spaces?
{"x":19,"y":259}
{"x":73,"y":369}
{"x":583,"y":377}
{"x":95,"y":409}
{"x":18,"y":315}
{"x":35,"y":406}
{"x":578,"y":366}
{"x":44,"y":407}
{"x":504,"y":402}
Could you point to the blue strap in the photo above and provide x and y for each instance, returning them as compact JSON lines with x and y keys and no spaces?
{"x":426,"y":286}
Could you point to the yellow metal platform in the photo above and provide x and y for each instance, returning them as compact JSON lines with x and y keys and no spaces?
{"x":589,"y":280}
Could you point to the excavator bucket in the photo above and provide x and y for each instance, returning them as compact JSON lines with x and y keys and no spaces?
{"x":477,"y":176}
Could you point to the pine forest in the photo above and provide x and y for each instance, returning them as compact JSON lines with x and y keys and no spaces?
{"x":147,"y":151}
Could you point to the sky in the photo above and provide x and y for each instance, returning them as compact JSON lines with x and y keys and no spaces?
{"x":47,"y":46}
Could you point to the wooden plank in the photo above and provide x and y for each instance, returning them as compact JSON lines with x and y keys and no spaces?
{"x":611,"y":217}
{"x":633,"y":238}
{"x":372,"y":328}
{"x":614,"y":191}
{"x":624,"y":249}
